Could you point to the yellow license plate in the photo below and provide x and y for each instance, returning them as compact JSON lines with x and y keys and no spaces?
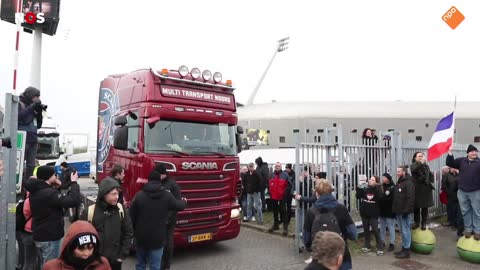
{"x":200,"y":237}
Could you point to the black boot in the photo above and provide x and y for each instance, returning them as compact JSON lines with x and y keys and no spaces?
{"x":399,"y":252}
{"x":424,"y":226}
{"x":404,"y":255}
{"x":415,"y":226}
{"x":391,"y":247}
{"x":285,"y":230}
{"x":273,"y":228}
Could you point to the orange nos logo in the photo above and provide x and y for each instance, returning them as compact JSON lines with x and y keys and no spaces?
{"x":453,"y":17}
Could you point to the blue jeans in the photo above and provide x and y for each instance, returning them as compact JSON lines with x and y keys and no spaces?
{"x":254,"y":201}
{"x":390,"y":223}
{"x":470,"y":206}
{"x":48,"y":250}
{"x":404,"y":224}
{"x":151,"y":256}
{"x":243,"y":202}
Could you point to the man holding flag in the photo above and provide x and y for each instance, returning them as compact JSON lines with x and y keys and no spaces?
{"x":468,"y":189}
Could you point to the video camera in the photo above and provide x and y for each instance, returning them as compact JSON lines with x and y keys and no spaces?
{"x":6,"y":142}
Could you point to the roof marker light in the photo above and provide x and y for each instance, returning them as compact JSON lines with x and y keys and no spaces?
{"x":229,"y":83}
{"x":165,"y":72}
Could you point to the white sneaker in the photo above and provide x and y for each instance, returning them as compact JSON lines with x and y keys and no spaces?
{"x":253,"y":219}
{"x":309,"y":260}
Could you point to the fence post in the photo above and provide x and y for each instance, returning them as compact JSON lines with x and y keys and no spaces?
{"x":298,"y":208}
{"x":340,"y":185}
{"x":8,"y":256}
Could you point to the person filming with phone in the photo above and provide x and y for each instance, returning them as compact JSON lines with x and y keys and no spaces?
{"x":47,"y":204}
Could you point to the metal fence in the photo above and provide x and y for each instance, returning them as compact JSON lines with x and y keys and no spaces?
{"x":345,"y":158}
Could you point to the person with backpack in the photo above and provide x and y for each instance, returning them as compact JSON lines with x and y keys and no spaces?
{"x":24,"y":235}
{"x":47,"y":204}
{"x":328,"y":215}
{"x":387,"y":217}
{"x":112,"y":222}
{"x":370,"y":196}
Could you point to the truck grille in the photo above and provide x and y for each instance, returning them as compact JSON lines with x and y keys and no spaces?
{"x":204,"y":192}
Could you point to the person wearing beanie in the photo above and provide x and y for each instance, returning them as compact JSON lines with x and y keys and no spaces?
{"x":387,"y":217}
{"x":169,"y":184}
{"x":112,"y":222}
{"x":151,"y":230}
{"x":80,"y":250}
{"x":264,"y":173}
{"x":468,"y":189}
{"x":47,"y":204}
{"x":30,"y":119}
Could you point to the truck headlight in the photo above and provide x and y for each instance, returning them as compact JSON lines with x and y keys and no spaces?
{"x":235,"y":213}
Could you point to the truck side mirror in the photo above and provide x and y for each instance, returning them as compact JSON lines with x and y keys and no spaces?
{"x":120,"y":120}
{"x":239,"y":143}
{"x":120,"y":137}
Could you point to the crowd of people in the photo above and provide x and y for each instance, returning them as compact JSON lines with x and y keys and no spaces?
{"x":103,"y":237}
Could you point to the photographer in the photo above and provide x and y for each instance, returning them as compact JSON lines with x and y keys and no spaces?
{"x":67,"y":170}
{"x":30,"y":119}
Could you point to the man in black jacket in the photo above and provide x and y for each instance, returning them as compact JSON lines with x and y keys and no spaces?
{"x":468,"y":189}
{"x":149,"y":212}
{"x":264,"y":173}
{"x":252,"y":188}
{"x":30,"y":119}
{"x":402,"y":207}
{"x":47,"y":205}
{"x":112,"y":222}
{"x":169,"y":184}
{"x":387,"y":217}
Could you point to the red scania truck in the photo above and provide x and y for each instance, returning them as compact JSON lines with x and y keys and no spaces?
{"x":186,"y":120}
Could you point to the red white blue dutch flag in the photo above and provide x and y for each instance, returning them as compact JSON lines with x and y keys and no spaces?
{"x":442,"y":138}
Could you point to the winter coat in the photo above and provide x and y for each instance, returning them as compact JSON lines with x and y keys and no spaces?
{"x":77,"y":228}
{"x":26,"y":119}
{"x":263,"y":171}
{"x":450,"y":185}
{"x":370,"y":201}
{"x":114,"y":228}
{"x":345,"y":222}
{"x":47,"y":205}
{"x":278,"y":185}
{"x":404,"y":196}
{"x":308,"y":196}
{"x":386,"y":201}
{"x":120,"y":194}
{"x":469,"y":172}
{"x":252,"y":182}
{"x":169,"y":184}
{"x":314,"y":265}
{"x":149,"y":212}
{"x":423,"y":179}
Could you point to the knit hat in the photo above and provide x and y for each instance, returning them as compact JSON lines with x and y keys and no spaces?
{"x":288,"y":166}
{"x":160,"y":168}
{"x":471,"y":148}
{"x":45,"y":172}
{"x":84,"y":239}
{"x":154,"y":176}
{"x":31,"y":92}
{"x":388,"y":176}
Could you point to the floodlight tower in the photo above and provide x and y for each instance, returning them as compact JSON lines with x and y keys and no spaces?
{"x":281,"y":46}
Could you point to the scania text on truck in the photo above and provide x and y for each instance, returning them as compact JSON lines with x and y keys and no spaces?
{"x":187,"y":121}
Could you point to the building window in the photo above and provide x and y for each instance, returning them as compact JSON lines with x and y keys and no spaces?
{"x":320,"y":130}
{"x":282,"y":139}
{"x":354,"y":130}
{"x":418,"y":138}
{"x":476,"y":139}
{"x":314,"y":138}
{"x":308,"y":130}
{"x":268,"y":131}
{"x":427,"y":125}
{"x":296,"y":131}
{"x":411,"y":131}
{"x":336,"y":139}
{"x":391,"y":130}
{"x":334,"y":124}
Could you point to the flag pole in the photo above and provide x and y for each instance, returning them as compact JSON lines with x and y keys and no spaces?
{"x":454,"y":109}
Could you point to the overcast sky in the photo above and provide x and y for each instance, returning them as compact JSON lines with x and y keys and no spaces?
{"x":339,"y":50}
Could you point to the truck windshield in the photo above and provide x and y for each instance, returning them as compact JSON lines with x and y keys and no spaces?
{"x":190,"y":138}
{"x":48,"y":146}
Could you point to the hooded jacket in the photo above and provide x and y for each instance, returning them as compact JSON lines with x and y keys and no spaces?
{"x":149,"y":213}
{"x":345,"y":222}
{"x":47,"y":205}
{"x":469,"y":172}
{"x":263,"y":172}
{"x":77,"y":229}
{"x":169,"y":184}
{"x":27,"y":113}
{"x":404,"y":196}
{"x":115,"y":231}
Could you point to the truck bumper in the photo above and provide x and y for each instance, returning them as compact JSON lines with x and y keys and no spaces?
{"x":226,"y":232}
